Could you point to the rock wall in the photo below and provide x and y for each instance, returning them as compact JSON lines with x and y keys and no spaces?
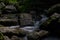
{"x":26,"y":19}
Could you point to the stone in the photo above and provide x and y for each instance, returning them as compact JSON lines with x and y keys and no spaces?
{"x":26,"y":19}
{"x":15,"y":38}
{"x":6,"y":38}
{"x":37,"y":35}
{"x":2,"y":5}
{"x":13,"y":30}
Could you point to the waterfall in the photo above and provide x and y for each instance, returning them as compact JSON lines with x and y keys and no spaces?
{"x":33,"y":28}
{"x":38,"y":23}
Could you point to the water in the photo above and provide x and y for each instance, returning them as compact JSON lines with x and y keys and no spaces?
{"x":36,"y":25}
{"x":33,"y":28}
{"x":17,"y":26}
{"x":28,"y":28}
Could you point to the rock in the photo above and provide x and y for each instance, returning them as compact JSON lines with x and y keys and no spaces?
{"x":15,"y":38}
{"x":42,"y":33}
{"x":17,"y":31}
{"x":6,"y":38}
{"x":10,"y":7}
{"x":26,"y":19}
{"x":36,"y":35}
{"x":2,"y":5}
{"x":1,"y":26}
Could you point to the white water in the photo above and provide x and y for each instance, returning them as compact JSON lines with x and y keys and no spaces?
{"x":38,"y":23}
{"x":33,"y":28}
{"x":36,"y":26}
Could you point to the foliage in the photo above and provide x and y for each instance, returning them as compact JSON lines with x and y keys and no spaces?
{"x":1,"y":36}
{"x":13,"y":1}
{"x":22,"y":5}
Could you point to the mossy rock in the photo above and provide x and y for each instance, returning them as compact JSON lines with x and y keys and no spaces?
{"x":1,"y":36}
{"x":2,"y":26}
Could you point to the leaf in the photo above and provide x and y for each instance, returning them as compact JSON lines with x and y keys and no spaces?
{"x":13,"y":1}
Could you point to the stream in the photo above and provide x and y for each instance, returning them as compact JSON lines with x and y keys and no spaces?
{"x":32,"y":28}
{"x":36,"y":25}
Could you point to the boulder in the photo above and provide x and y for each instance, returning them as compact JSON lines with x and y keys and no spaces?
{"x":6,"y":38}
{"x":15,"y":38}
{"x":37,"y":35}
{"x":12,"y":31}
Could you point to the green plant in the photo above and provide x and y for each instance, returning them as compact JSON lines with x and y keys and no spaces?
{"x":1,"y":36}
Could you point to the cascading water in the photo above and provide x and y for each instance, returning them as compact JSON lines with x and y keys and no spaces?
{"x":33,"y":28}
{"x":36,"y":25}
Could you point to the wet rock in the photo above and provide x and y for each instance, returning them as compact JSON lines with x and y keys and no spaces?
{"x":36,"y":35}
{"x":9,"y":9}
{"x":26,"y":19}
{"x":1,"y":26}
{"x":13,"y":31}
{"x":6,"y":38}
{"x":42,"y":33}
{"x":2,"y":5}
{"x":8,"y":22}
{"x":15,"y":38}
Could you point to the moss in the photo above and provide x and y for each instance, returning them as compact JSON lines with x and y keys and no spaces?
{"x":59,"y":20}
{"x":1,"y":26}
{"x":1,"y":36}
{"x":13,"y":1}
